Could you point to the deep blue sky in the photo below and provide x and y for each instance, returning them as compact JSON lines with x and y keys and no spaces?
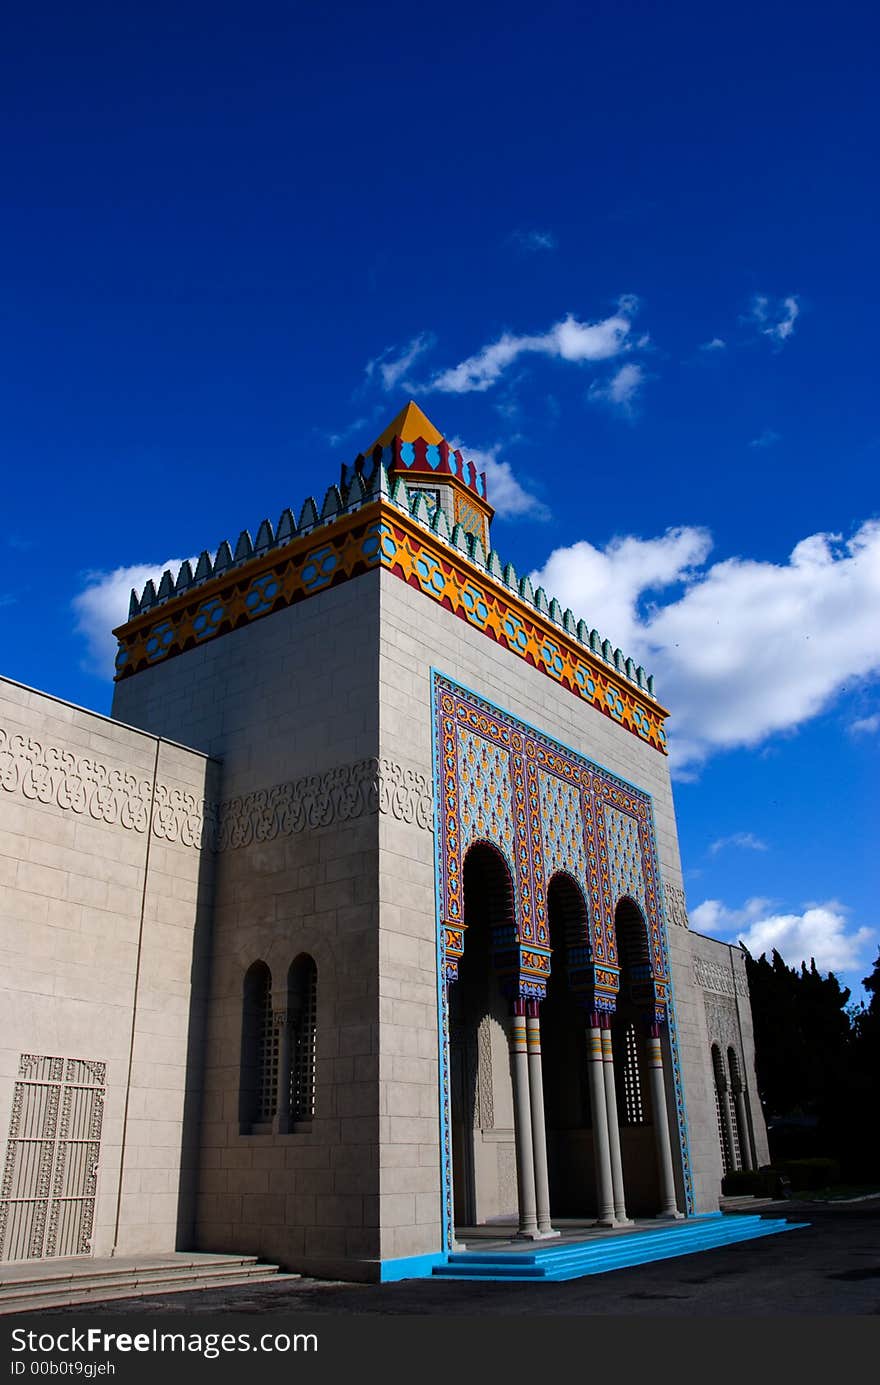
{"x":213,"y":218}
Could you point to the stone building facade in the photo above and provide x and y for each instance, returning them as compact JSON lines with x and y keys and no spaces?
{"x":362,"y":917}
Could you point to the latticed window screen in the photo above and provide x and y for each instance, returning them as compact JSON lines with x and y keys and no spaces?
{"x":733,"y":1085}
{"x":304,"y":1021}
{"x":47,"y":1201}
{"x":722,"y":1140}
{"x":633,"y":1111}
{"x":267,"y":1057}
{"x":720,"y":1095}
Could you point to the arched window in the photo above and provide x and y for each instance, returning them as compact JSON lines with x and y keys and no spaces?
{"x":734,"y":1086}
{"x":720,"y":1087}
{"x":302,"y":1010}
{"x":635,"y":999}
{"x":258,"y":1086}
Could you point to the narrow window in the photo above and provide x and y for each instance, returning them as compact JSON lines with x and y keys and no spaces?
{"x":258,"y":1089}
{"x":303,"y":1018}
{"x":633,"y":1111}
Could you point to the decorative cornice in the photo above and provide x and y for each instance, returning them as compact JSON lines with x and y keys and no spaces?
{"x":452,"y":569}
{"x":88,"y":788}
{"x":319,"y":800}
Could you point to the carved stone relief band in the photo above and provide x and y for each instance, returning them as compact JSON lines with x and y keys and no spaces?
{"x":119,"y":798}
{"x":710,"y":976}
{"x":676,"y":907}
{"x":317,"y":800}
{"x":81,"y":785}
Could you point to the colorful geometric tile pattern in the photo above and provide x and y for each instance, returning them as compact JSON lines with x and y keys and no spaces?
{"x":486,"y":794}
{"x":565,"y":813}
{"x":381,"y":535}
{"x":546,"y":809}
{"x":563,"y":829}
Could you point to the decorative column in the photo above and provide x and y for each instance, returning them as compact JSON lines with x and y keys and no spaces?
{"x":742,"y":1120}
{"x":525,"y":1166}
{"x":668,"y":1207}
{"x":539,"y":1131}
{"x":601,"y":1144}
{"x":613,"y":1127}
{"x":281,"y":1019}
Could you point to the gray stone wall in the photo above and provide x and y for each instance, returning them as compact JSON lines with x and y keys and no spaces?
{"x":104,"y":900}
{"x":719,"y":978}
{"x":289,"y":705}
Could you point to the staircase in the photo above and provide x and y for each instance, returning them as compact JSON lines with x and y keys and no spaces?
{"x":36,"y":1284}
{"x":572,"y":1261}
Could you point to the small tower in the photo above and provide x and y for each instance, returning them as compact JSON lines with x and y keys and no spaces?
{"x":413,"y":448}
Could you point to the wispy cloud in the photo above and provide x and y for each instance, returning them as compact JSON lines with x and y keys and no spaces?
{"x":622,"y":389}
{"x":744,"y":649}
{"x":392,"y":366}
{"x":532,"y":241}
{"x":103,"y":604}
{"x":568,"y":340}
{"x":508,"y":496}
{"x":774,"y":319}
{"x":745,"y":840}
{"x":716,"y":344}
{"x":819,"y":932}
{"x":866,"y":726}
{"x":766,"y":438}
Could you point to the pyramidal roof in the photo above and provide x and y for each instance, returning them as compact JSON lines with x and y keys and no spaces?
{"x":408,"y":425}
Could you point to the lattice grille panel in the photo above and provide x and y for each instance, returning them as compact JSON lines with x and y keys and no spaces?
{"x":47,"y":1202}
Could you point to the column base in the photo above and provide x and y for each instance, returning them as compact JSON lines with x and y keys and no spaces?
{"x":548,"y":1234}
{"x":670,"y":1216}
{"x":535,"y":1235}
{"x":623,"y":1221}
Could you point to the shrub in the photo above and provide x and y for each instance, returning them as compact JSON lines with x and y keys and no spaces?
{"x":764,"y":1182}
{"x":808,"y":1174}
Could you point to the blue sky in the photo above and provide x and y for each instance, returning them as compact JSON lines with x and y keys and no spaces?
{"x":624,"y":254}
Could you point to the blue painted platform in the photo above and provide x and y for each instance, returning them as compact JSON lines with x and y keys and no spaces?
{"x":573,"y":1260}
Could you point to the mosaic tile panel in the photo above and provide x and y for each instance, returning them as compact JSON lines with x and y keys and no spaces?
{"x":562,"y":813}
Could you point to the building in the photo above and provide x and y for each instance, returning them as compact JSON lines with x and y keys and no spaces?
{"x":362,"y":917}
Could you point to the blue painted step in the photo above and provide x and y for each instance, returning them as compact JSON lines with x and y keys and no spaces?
{"x":597,"y":1257}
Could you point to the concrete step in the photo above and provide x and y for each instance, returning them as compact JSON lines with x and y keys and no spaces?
{"x":92,"y":1285}
{"x":574,"y":1262}
{"x":64,"y":1298}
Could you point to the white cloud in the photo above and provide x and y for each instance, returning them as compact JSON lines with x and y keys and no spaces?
{"x":621,"y":390}
{"x":774,"y":320}
{"x":716,"y":344}
{"x":746,"y":648}
{"x":765,"y":439}
{"x":866,"y":726}
{"x":568,"y":340}
{"x":507,"y":495}
{"x":746,"y":840}
{"x":605,"y":586}
{"x":392,"y":368}
{"x":820,"y":932}
{"x":534,"y":240}
{"x":103,"y":604}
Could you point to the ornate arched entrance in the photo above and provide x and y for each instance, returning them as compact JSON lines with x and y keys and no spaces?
{"x":482,"y":1115}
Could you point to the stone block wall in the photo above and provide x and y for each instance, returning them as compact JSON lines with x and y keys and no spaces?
{"x":104,"y":904}
{"x":289,"y":705}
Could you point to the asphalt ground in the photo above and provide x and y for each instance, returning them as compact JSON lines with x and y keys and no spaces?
{"x":829,"y":1268}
